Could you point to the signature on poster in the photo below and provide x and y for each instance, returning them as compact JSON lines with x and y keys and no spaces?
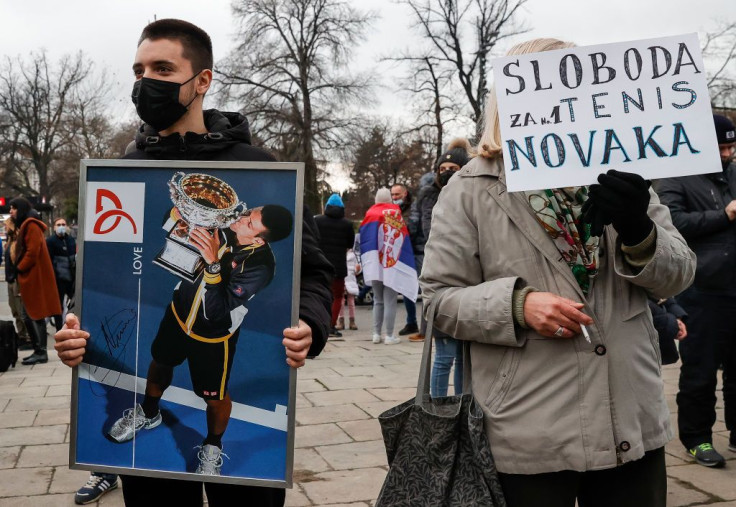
{"x":117,"y":328}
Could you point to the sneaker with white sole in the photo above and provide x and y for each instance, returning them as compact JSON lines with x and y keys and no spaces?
{"x":132,"y":422}
{"x":392,"y":340}
{"x":705,"y":455}
{"x":210,"y":460}
{"x":97,"y":485}
{"x":377,"y":338}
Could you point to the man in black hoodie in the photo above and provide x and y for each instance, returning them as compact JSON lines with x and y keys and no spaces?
{"x":173,"y":72}
{"x":336,"y":238}
{"x":703,"y":209}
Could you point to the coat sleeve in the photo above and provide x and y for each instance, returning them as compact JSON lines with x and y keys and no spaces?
{"x":33,"y":240}
{"x":691,"y":224}
{"x":349,"y":238}
{"x":675,"y":309}
{"x":223,"y":296}
{"x":470,"y":308}
{"x":672,"y":267}
{"x":426,"y":206}
{"x":315,"y":296}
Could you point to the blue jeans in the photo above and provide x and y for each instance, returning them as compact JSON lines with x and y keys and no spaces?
{"x":447,"y":350}
{"x":411,"y":311}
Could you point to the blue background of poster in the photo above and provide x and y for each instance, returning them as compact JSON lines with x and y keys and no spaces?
{"x":260,"y":375}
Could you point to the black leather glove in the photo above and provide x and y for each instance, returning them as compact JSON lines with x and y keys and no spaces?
{"x":621,"y":199}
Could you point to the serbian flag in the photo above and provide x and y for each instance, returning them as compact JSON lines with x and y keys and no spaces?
{"x":385,"y":250}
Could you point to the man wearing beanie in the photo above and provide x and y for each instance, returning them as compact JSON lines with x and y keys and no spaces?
{"x":703,"y":209}
{"x":176,"y":127}
{"x":456,"y":156}
{"x":336,"y":238}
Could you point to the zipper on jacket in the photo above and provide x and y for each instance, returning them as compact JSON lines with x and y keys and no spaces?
{"x":182,"y":144}
{"x":715,"y":200}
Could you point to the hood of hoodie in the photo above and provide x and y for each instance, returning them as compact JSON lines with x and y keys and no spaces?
{"x":223,"y":130}
{"x":334,"y":211}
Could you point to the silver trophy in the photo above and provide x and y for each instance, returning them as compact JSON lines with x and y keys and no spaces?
{"x":201,"y":200}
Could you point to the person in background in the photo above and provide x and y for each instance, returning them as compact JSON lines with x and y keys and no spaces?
{"x":63,"y":252}
{"x":386,"y":257}
{"x":35,"y":277}
{"x":448,"y":351}
{"x":11,"y":278}
{"x":565,"y":370}
{"x":336,"y":238}
{"x":669,"y":321}
{"x":351,"y":290}
{"x":401,"y":197}
{"x":703,"y":209}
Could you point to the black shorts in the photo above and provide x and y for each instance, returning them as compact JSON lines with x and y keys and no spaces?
{"x":209,"y":363}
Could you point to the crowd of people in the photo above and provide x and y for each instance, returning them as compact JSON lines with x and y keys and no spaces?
{"x":565,"y":359}
{"x":40,"y":275}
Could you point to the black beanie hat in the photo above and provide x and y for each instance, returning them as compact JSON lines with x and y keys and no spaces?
{"x":277,"y":220}
{"x":457,"y":153}
{"x":725,"y":130}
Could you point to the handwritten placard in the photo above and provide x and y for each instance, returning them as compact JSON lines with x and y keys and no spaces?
{"x":570,"y":114}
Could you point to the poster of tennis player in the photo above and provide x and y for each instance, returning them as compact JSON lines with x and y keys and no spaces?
{"x":189,"y":275}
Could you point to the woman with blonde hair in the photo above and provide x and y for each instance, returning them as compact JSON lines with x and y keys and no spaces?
{"x":550,"y":289}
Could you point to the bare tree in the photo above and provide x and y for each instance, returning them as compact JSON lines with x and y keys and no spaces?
{"x":38,"y":104}
{"x":426,"y":85}
{"x":463,"y":34}
{"x":720,"y":48}
{"x":289,"y":75}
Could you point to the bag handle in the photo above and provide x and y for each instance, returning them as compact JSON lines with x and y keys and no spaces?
{"x":426,"y":364}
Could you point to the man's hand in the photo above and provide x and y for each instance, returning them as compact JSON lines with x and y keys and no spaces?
{"x":71,"y":341}
{"x":546,"y":313}
{"x":731,"y":210}
{"x":681,"y":330}
{"x":297,"y":341}
{"x":207,"y":244}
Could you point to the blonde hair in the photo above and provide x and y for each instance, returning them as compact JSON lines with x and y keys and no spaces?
{"x":489,"y":145}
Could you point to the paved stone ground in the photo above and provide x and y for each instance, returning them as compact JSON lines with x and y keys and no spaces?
{"x":339,"y":456}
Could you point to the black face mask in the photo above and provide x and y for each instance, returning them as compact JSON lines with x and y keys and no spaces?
{"x":157,"y":102}
{"x":445,"y":177}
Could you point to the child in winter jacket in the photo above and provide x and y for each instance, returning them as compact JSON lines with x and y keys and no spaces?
{"x":351,"y":290}
{"x":668,"y":319}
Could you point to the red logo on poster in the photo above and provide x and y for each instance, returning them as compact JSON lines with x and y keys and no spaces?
{"x":117,"y":212}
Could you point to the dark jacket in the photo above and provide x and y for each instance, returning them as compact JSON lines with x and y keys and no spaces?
{"x":229,"y":139}
{"x":425,"y":203}
{"x":665,"y":313}
{"x":336,"y":237}
{"x":63,"y":251}
{"x":246,"y":269}
{"x":697,"y":204}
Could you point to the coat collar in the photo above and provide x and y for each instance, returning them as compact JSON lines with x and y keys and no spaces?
{"x":518,"y":210}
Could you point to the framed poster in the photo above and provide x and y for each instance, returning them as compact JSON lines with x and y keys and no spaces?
{"x":188,"y":274}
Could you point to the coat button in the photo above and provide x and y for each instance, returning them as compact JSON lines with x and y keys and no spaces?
{"x":625,"y":446}
{"x":600,"y":350}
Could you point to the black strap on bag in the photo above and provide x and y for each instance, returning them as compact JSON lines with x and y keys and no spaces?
{"x":437,"y":448}
{"x":425,"y":370}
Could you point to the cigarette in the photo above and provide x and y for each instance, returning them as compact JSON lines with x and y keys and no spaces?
{"x":585,"y":332}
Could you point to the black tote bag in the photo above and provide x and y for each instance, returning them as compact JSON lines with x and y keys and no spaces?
{"x":437,"y":449}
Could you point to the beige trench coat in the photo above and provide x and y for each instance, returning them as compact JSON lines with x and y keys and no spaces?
{"x":551,"y":404}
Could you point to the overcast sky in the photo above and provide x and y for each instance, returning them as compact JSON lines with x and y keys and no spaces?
{"x":107,"y":30}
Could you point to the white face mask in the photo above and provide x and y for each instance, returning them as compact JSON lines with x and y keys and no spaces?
{"x":61,"y":230}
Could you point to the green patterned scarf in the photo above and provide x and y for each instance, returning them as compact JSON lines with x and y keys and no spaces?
{"x":558,"y":212}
